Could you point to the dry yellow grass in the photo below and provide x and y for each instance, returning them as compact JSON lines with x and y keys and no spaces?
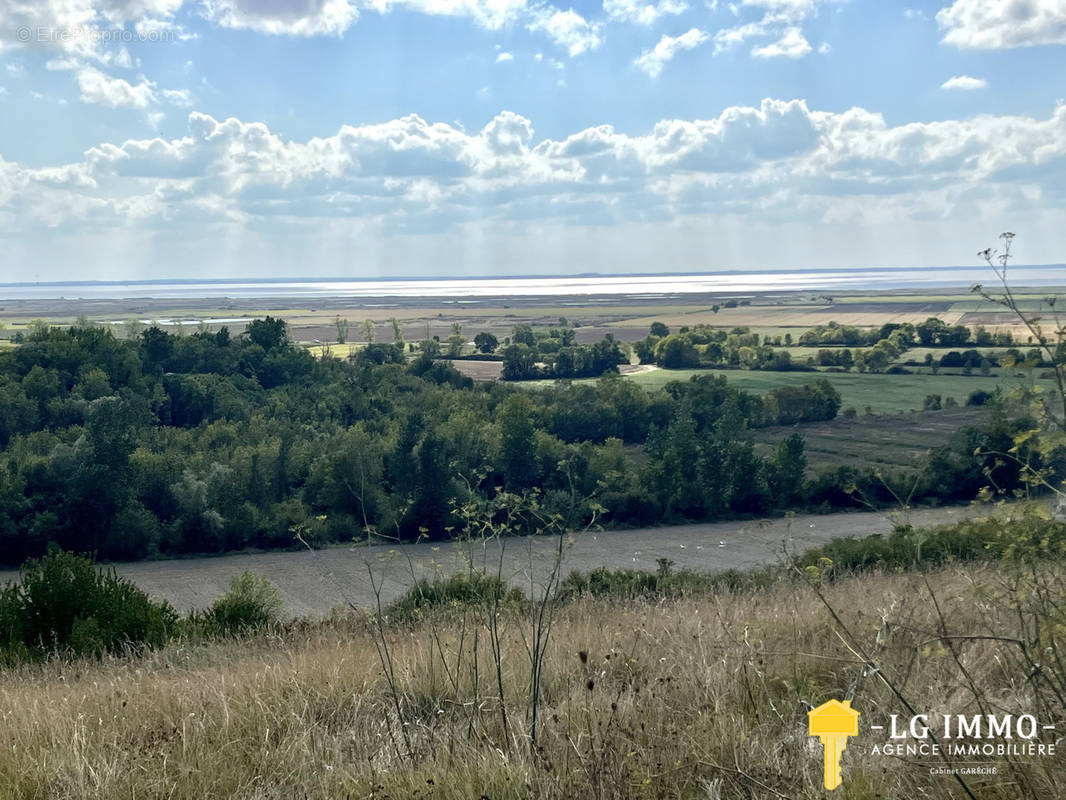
{"x":696,"y":698}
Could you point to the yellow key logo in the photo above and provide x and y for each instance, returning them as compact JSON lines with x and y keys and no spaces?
{"x":833,"y":723}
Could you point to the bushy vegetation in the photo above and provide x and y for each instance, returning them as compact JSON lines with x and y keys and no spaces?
{"x":163,"y":444}
{"x":704,"y":345}
{"x":554,"y":354}
{"x":664,"y":583}
{"x":463,"y":589}
{"x":63,"y":604}
{"x":251,"y":603}
{"x":1029,"y":535}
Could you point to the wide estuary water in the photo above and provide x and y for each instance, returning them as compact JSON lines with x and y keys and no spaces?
{"x":562,"y":285}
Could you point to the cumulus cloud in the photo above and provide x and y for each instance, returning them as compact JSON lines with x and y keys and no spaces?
{"x":103,"y":90}
{"x":228,"y":183}
{"x":792,"y":44}
{"x":304,"y":18}
{"x":964,"y":83}
{"x":334,"y":17}
{"x":652,"y":61}
{"x":504,"y":57}
{"x":774,"y":163}
{"x":782,"y":20}
{"x":51,"y":22}
{"x":998,"y":24}
{"x":568,"y":29}
{"x":642,"y":13}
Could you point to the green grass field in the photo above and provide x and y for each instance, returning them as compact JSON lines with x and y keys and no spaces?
{"x":896,"y":443}
{"x":336,"y":350}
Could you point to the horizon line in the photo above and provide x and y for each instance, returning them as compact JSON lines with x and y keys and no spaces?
{"x":530,"y":276}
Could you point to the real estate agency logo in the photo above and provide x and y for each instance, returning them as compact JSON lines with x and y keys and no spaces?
{"x":960,"y":744}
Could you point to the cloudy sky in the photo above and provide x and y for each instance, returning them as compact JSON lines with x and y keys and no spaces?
{"x":213,"y":138}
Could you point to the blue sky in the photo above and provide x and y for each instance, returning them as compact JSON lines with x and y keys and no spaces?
{"x":157,"y":138}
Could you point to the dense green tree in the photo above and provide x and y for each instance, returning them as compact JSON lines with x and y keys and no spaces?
{"x":517,"y":462}
{"x":787,"y":471}
{"x":486,"y":343}
{"x":268,"y":332}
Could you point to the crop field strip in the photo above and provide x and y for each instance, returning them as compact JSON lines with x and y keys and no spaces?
{"x":893,"y":442}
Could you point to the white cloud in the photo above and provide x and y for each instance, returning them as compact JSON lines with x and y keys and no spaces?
{"x":764,"y":174}
{"x":792,"y":44}
{"x":728,"y":38}
{"x":122,"y":59}
{"x":964,"y":83}
{"x":177,"y":97}
{"x":227,"y":183}
{"x":504,"y":57}
{"x":304,"y":18}
{"x":567,"y":29}
{"x":59,"y":21}
{"x":914,"y":13}
{"x":782,"y":20}
{"x":1000,"y":24}
{"x":652,"y":61}
{"x":642,"y":13}
{"x":103,"y":90}
{"x":488,"y":14}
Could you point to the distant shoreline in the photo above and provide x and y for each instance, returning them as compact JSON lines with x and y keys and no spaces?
{"x":589,"y":286}
{"x":289,"y":279}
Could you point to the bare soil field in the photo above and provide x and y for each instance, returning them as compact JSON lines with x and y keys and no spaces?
{"x":312,"y":583}
{"x":479,"y":370}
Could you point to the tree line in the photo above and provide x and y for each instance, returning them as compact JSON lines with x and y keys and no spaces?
{"x":166,"y":444}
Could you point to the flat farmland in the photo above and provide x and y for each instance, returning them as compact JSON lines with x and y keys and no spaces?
{"x":479,"y":370}
{"x":804,"y":316}
{"x":894,"y":442}
{"x":883,"y":394}
{"x":769,"y":313}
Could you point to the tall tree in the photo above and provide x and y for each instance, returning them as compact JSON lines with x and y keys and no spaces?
{"x":517,"y":459}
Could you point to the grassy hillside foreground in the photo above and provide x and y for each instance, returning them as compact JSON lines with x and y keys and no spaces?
{"x":702,"y":696}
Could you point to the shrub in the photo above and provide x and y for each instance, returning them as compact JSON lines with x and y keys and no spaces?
{"x":663,"y":583}
{"x":1029,"y":536}
{"x":464,"y":589}
{"x":64,"y":604}
{"x":252,"y":602}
